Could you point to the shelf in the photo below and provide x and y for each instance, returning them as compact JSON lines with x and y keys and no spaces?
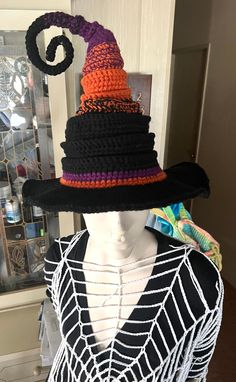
{"x":22,"y":298}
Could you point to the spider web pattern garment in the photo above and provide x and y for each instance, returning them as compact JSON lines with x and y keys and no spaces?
{"x":169,"y":336}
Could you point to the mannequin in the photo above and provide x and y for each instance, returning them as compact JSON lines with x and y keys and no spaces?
{"x":133,"y":304}
{"x":118,"y":239}
{"x":110,"y":286}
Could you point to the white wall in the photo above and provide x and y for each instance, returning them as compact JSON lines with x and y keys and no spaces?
{"x":144,"y":30}
{"x":42,"y":4}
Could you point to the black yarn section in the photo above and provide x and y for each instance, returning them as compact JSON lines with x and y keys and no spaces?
{"x":100,"y":125}
{"x":108,"y":142}
{"x":33,"y":53}
{"x":135,"y":161}
{"x":184,"y":181}
{"x":54,"y":43}
{"x":122,"y":144}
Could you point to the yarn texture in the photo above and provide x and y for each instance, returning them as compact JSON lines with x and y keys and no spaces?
{"x":110,"y":161}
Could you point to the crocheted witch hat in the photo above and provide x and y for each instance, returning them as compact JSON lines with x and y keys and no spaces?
{"x":110,"y":164}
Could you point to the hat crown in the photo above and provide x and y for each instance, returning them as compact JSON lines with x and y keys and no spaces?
{"x":101,"y":151}
{"x":110,"y":164}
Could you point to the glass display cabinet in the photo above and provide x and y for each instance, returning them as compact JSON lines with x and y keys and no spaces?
{"x":26,"y":152}
{"x":33,"y":117}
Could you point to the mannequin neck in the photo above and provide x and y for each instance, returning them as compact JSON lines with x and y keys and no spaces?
{"x":122,"y":252}
{"x":118,"y":237}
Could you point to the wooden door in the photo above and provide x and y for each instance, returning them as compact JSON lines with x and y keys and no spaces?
{"x":185,"y":105}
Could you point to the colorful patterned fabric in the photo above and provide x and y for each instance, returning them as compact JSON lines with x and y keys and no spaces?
{"x":177,"y":222}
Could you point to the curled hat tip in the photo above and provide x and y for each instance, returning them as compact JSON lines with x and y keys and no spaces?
{"x":104,"y":79}
{"x":93,"y":33}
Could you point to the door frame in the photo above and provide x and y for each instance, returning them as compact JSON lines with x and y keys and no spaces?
{"x":207,"y":48}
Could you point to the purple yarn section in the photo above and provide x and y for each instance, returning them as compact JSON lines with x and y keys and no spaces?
{"x":93,"y":33}
{"x":89,"y":177}
{"x":63,"y":20}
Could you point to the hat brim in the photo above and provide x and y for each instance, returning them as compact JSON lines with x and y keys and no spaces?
{"x":184,"y":181}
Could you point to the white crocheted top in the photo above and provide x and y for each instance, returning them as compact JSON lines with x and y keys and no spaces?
{"x":170,"y":334}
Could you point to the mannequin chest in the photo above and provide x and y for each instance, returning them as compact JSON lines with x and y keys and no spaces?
{"x":113,"y":292}
{"x":112,"y":295}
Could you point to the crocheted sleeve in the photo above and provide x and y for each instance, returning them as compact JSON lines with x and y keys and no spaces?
{"x":51,"y":261}
{"x":207,"y":341}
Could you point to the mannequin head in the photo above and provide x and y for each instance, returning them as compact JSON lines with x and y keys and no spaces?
{"x":120,"y":228}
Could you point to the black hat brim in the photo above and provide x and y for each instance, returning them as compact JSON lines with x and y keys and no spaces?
{"x":184,"y":181}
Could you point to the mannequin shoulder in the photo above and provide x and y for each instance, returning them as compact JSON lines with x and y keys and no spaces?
{"x":77,"y":243}
{"x":205,"y":272}
{"x":207,"y":275}
{"x":202,"y":266}
{"x":59,"y":245}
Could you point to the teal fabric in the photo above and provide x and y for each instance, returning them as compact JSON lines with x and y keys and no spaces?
{"x":164,"y":226}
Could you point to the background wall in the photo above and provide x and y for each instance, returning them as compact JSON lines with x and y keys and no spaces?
{"x":42,"y":4}
{"x":197,"y":23}
{"x":144,"y":30}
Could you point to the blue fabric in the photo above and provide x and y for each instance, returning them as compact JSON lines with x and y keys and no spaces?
{"x":153,"y":222}
{"x":161,"y":224}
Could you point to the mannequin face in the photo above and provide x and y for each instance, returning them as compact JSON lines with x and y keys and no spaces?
{"x":116,"y":228}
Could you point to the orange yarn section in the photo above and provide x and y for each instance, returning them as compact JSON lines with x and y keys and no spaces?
{"x":110,"y":83}
{"x":109,"y":94}
{"x":115,"y":182}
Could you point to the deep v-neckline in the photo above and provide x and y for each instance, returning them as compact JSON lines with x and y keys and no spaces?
{"x":88,"y":328}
